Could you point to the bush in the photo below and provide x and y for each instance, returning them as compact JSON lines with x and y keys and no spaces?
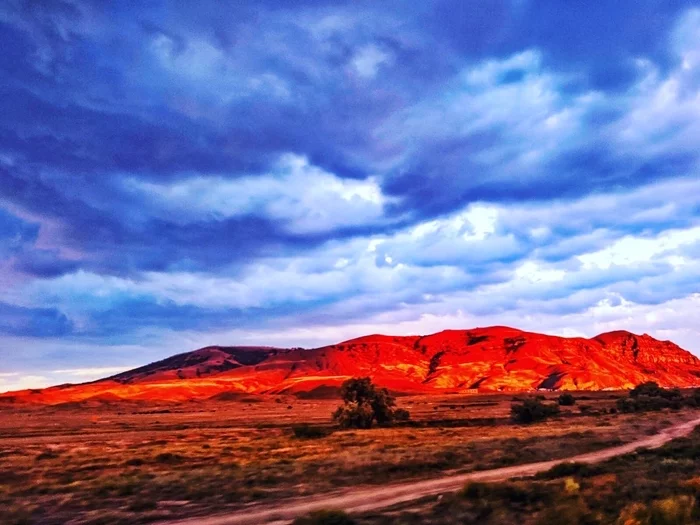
{"x":365,"y":404}
{"x":532,"y":410}
{"x":306,"y":431}
{"x":645,"y":403}
{"x":354,"y":415}
{"x":47,"y":454}
{"x":508,"y":493}
{"x":325,"y":517}
{"x":650,"y":396}
{"x":675,"y":510}
{"x":569,"y":468}
{"x":566,"y":400}
{"x":168,"y":457}
{"x":570,"y":511}
{"x":650,"y":388}
{"x":401,"y":414}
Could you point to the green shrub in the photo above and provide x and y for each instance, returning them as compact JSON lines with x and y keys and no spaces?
{"x":566,"y":400}
{"x":401,"y":414}
{"x":511,"y":494}
{"x":570,"y":468}
{"x":650,"y":388}
{"x":364,"y":405}
{"x":532,"y":410}
{"x":325,"y":517}
{"x":650,"y":396}
{"x":354,"y":415}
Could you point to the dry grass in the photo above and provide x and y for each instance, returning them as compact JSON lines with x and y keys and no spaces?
{"x":133,"y":464}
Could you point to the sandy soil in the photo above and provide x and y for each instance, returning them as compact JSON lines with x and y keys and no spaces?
{"x":382,"y":497}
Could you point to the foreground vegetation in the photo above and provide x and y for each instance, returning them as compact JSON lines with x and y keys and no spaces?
{"x":133,"y":464}
{"x":365,"y":405}
{"x":649,"y":487}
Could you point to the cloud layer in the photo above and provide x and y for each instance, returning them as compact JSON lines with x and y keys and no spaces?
{"x":174,"y":177}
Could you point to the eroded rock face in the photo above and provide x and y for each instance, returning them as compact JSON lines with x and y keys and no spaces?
{"x":493,"y":359}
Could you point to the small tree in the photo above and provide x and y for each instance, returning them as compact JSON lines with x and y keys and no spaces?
{"x":364,"y":405}
{"x":650,"y":388}
{"x":532,"y":410}
{"x":566,"y":400}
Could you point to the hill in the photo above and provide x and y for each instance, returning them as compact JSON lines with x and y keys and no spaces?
{"x":494,"y":359}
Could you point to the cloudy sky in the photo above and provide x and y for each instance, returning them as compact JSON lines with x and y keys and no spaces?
{"x":180,"y":174}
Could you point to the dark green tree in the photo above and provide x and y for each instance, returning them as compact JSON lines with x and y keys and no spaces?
{"x":566,"y":400}
{"x":650,"y":388}
{"x":532,"y":410}
{"x":365,"y":405}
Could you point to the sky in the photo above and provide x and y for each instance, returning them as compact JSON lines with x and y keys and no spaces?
{"x":179,"y":174}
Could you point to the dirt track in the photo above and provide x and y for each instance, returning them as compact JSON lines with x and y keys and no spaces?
{"x":373,"y":498}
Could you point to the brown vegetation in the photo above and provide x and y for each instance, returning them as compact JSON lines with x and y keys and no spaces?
{"x":125,"y":463}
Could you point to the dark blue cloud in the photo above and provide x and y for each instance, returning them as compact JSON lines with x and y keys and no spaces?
{"x":443,"y":104}
{"x":14,"y":232}
{"x":37,"y":322}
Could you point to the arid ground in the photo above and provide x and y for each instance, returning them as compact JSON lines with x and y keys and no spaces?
{"x":137,"y":463}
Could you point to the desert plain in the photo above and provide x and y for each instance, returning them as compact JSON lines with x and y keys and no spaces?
{"x":102,"y":462}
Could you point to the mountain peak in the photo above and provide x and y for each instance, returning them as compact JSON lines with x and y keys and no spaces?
{"x":487,"y":359}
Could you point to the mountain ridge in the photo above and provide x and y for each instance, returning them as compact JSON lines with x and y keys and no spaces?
{"x":487,"y":359}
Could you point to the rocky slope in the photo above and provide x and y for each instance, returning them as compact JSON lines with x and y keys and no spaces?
{"x":495,"y":359}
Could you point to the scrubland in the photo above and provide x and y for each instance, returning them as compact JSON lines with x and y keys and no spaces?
{"x":138,"y":463}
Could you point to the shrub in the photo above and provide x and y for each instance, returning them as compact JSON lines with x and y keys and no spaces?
{"x":306,"y":431}
{"x":569,"y":468}
{"x":47,"y":454}
{"x":325,"y":517}
{"x":532,"y":410}
{"x":566,"y":400}
{"x":401,"y":414}
{"x":650,"y":396}
{"x":650,"y":388}
{"x":354,"y":415}
{"x":168,"y":457}
{"x":510,"y":494}
{"x":644,"y":403}
{"x":696,"y":395}
{"x":364,"y":404}
{"x":570,"y":511}
{"x":675,"y":510}
{"x":142,"y":505}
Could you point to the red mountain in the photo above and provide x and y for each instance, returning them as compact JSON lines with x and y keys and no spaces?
{"x":491,"y":359}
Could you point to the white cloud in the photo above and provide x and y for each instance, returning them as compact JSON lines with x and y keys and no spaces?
{"x":533,"y":120}
{"x":197,"y":59}
{"x":15,"y":381}
{"x":508,"y":259}
{"x":369,"y":59}
{"x":632,"y":249}
{"x":672,"y":320}
{"x":664,"y":111}
{"x":491,"y":72}
{"x":89,"y":374}
{"x":304,"y":198}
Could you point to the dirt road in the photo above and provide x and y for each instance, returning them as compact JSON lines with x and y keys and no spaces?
{"x":373,"y":498}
